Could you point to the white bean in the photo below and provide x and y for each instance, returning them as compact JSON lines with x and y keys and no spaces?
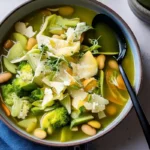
{"x":4,"y":77}
{"x":39,"y":133}
{"x":94,"y":124}
{"x":113,"y":64}
{"x":88,"y":130}
{"x":101,"y":61}
{"x":66,"y":11}
{"x":31,"y":42}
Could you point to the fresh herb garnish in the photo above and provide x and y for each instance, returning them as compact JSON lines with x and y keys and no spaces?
{"x":43,"y":48}
{"x":55,"y":62}
{"x":94,"y":48}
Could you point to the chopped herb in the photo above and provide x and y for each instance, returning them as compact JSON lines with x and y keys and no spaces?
{"x":80,"y":54}
{"x":94,"y":41}
{"x":43,"y":48}
{"x":82,"y":110}
{"x":54,"y":62}
{"x":94,"y":48}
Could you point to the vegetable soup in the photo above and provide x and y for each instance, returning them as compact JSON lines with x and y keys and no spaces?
{"x":59,"y":75}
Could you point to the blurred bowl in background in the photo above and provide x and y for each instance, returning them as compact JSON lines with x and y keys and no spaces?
{"x":141,"y":9}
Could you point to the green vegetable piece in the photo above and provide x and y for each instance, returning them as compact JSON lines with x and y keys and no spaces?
{"x":20,"y":38}
{"x":37,"y":103}
{"x":8,"y":94}
{"x":101,"y":115}
{"x":37,"y":94}
{"x":66,"y":134}
{"x":50,"y":108}
{"x":34,"y":58}
{"x":80,"y":120}
{"x":23,"y":83}
{"x":29,"y":87}
{"x":27,"y":122}
{"x":9,"y":66}
{"x":15,"y":52}
{"x":56,"y":30}
{"x":82,"y":109}
{"x":67,"y":22}
{"x":66,"y":102}
{"x":57,"y":22}
{"x":56,"y":118}
{"x":75,"y":114}
{"x":38,"y":80}
{"x":108,"y":53}
{"x":50,"y":130}
{"x":37,"y":111}
{"x":102,"y":83}
{"x":20,"y":108}
{"x":31,"y":127}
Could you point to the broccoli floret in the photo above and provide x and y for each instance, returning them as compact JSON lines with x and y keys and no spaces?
{"x":23,"y":82}
{"x":8,"y":94}
{"x":6,"y":89}
{"x":17,"y":84}
{"x":37,"y":94}
{"x":59,"y":117}
{"x":22,"y":64}
{"x":56,"y":118}
{"x":19,"y":107}
{"x":24,"y":109}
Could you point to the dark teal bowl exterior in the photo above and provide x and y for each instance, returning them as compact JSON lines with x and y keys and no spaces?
{"x":31,"y":6}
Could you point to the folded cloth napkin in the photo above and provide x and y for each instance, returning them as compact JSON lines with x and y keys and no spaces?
{"x":11,"y":141}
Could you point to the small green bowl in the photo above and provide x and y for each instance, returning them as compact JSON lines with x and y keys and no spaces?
{"x":140,"y":10}
{"x":145,"y":3}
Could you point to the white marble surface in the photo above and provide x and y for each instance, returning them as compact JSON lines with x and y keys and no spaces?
{"x":127,"y":135}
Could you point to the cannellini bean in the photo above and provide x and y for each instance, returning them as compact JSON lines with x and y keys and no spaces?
{"x":111,"y":110}
{"x":4,"y":77}
{"x":88,"y":129}
{"x":101,"y":61}
{"x":31,"y":127}
{"x":94,"y":124}
{"x":66,"y":11}
{"x":39,"y":133}
{"x":113,"y":64}
{"x":8,"y":44}
{"x":31,"y":42}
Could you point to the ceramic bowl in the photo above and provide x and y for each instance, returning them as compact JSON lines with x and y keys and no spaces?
{"x":139,"y":10}
{"x":98,"y":7}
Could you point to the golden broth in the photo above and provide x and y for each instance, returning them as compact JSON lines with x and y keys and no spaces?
{"x":108,"y":43}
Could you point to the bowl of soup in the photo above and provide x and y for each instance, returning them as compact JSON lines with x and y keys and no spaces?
{"x":60,"y":84}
